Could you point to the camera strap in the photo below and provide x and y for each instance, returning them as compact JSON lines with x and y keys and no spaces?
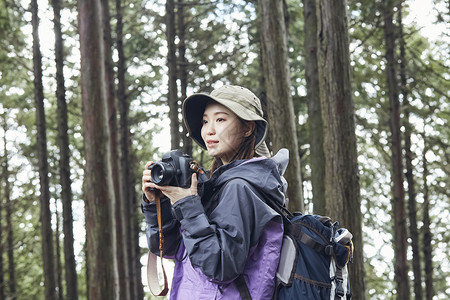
{"x":152,"y":270}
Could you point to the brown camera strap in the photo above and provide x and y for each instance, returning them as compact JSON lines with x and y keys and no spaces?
{"x":152,"y":270}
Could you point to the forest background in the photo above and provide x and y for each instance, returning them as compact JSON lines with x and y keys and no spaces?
{"x":357,"y":91}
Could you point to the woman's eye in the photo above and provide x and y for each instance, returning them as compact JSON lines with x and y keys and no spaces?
{"x":204,"y":122}
{"x":220,"y":120}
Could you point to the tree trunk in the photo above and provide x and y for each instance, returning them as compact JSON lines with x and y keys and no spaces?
{"x":172,"y":95}
{"x":283,"y":133}
{"x":398,"y":201}
{"x":45,"y":214}
{"x":409,"y":156}
{"x":9,"y":204}
{"x":64,"y":160}
{"x":99,"y":185}
{"x":342,"y":192}
{"x":133,"y":277}
{"x":59,"y":285}
{"x":427,"y":235}
{"x":317,"y":157}
{"x":118,"y":206}
{"x":182,"y":70}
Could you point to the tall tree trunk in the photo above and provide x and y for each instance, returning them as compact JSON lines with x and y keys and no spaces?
{"x":172,"y":95}
{"x":398,"y":201}
{"x":182,"y":70}
{"x":9,"y":227}
{"x":118,"y":206}
{"x":3,"y":179}
{"x":283,"y":133}
{"x":59,"y":285}
{"x":317,"y":157}
{"x":131,"y":230}
{"x":342,"y":191}
{"x":64,"y":160}
{"x":45,"y":214}
{"x":412,"y":210}
{"x":427,"y":235}
{"x":99,"y":185}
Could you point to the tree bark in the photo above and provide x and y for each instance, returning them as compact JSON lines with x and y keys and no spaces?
{"x":283,"y":133}
{"x":131,"y":231}
{"x":45,"y":214}
{"x":59,"y":285}
{"x":317,"y":157}
{"x":64,"y":159}
{"x":182,"y":70}
{"x":172,"y":95}
{"x":118,"y":206}
{"x":99,"y":192}
{"x":427,"y":235}
{"x":398,"y":201}
{"x":342,"y":191}
{"x":409,"y":156}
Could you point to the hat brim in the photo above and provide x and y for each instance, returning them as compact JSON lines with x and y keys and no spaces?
{"x":194,"y":108}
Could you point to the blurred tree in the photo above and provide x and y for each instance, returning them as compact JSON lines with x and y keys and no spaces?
{"x":183,"y":70}
{"x":172,"y":95}
{"x":427,"y":236}
{"x":129,"y":211}
{"x":118,"y":205}
{"x":398,"y":197}
{"x":45,"y":216}
{"x":412,"y":209}
{"x":64,"y":160}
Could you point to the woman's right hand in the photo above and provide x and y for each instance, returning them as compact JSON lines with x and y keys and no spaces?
{"x":148,"y":187}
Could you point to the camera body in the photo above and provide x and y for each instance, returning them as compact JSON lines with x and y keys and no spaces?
{"x":174,"y":169}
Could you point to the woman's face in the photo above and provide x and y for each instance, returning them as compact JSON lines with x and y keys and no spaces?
{"x":222,"y":131}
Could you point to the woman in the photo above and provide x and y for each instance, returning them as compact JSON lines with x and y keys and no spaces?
{"x":220,"y":231}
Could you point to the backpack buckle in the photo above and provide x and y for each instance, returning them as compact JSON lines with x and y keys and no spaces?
{"x":339,"y":288}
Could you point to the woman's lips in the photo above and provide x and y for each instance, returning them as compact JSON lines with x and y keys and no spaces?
{"x":211,"y":143}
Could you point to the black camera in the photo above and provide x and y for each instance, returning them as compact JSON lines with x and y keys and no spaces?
{"x":175,"y":169}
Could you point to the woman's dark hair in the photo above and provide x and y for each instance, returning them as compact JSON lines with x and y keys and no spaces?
{"x":246,"y":150}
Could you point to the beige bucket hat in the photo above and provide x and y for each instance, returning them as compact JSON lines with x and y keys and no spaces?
{"x":239,"y":100}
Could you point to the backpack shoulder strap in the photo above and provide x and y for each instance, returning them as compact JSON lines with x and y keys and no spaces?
{"x":242,"y":287}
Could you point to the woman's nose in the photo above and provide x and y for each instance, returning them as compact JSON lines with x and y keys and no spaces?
{"x":210,"y":130}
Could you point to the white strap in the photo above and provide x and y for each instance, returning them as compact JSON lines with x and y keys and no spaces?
{"x":152,"y":276}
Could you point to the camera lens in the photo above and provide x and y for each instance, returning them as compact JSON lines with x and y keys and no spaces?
{"x":162,"y":173}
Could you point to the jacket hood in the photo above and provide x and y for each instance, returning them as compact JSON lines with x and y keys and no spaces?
{"x":264,"y":173}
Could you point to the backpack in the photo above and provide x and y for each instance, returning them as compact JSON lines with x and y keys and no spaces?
{"x":314,"y":257}
{"x":313,"y":260}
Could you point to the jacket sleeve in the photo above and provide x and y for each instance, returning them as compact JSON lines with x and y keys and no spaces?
{"x":171,"y":228}
{"x":219,"y":244}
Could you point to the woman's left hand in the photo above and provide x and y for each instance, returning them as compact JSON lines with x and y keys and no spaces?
{"x":175,"y":193}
